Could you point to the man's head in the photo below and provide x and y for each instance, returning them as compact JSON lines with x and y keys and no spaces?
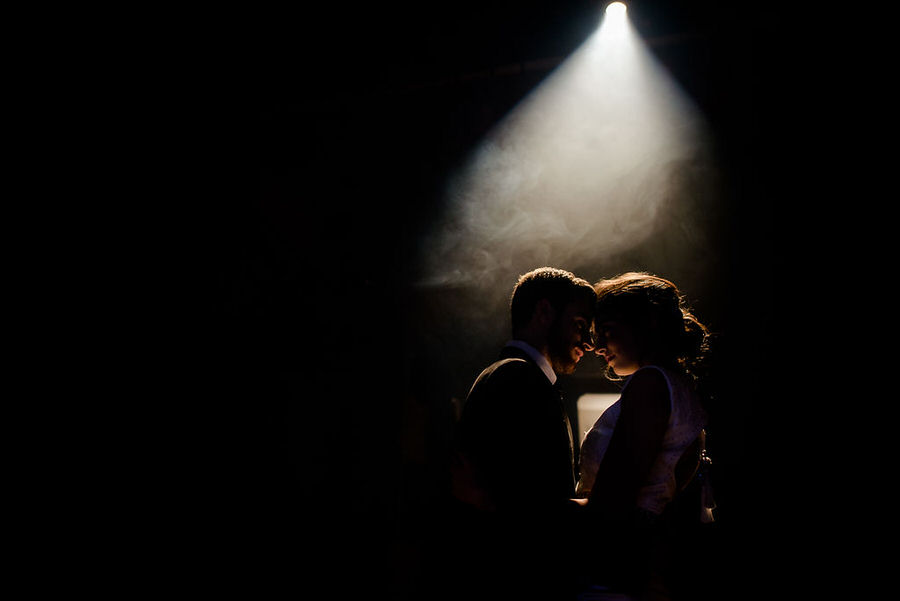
{"x":552,"y":310}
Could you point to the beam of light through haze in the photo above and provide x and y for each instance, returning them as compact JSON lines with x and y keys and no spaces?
{"x":576,"y":173}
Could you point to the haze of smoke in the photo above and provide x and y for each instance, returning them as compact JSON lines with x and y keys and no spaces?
{"x":581,"y":172}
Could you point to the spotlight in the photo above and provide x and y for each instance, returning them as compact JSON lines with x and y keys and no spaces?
{"x":614,"y":22}
{"x":616,"y":9}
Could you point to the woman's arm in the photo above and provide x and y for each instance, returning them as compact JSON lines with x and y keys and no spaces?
{"x":634,"y":445}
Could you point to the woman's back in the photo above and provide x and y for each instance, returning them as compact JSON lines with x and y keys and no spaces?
{"x":687,"y":419}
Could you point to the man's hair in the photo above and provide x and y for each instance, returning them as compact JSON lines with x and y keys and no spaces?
{"x":558,"y":286}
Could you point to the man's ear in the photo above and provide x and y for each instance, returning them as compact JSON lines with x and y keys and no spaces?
{"x":544,"y":313}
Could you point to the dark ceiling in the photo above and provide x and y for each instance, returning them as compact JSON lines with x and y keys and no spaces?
{"x":352,"y":108}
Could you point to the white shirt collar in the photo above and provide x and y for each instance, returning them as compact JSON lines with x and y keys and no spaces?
{"x":535,"y":354}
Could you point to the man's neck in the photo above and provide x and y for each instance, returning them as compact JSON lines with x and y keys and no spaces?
{"x":539,"y":358}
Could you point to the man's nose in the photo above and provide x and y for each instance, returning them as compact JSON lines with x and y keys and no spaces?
{"x":587,"y":340}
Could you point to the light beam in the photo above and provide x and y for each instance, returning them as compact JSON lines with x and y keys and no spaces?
{"x":579,"y":172}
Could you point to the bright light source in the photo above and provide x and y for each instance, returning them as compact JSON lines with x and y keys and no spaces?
{"x":615,"y":20}
{"x":616,"y":9}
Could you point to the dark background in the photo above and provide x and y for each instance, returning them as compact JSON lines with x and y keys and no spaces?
{"x":328,"y":379}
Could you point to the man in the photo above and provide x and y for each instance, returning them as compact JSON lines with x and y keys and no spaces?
{"x":515,"y":439}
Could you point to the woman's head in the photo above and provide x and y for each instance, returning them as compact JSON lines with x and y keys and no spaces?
{"x":641,"y":319}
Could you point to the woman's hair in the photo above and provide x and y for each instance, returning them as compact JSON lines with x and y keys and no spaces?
{"x":653,"y":306}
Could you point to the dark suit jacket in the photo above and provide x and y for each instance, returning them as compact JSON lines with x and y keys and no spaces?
{"x":515,"y":431}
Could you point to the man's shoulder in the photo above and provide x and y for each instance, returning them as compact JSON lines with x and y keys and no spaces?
{"x":509,"y":366}
{"x":509,"y":372}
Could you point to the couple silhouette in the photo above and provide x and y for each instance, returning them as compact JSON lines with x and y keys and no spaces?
{"x":530,"y":523}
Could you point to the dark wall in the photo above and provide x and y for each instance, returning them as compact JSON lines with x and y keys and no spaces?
{"x":332,"y":378}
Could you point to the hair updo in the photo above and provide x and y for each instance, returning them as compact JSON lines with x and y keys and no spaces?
{"x":653,"y":306}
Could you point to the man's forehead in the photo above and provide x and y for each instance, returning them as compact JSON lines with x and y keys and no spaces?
{"x":581,"y":307}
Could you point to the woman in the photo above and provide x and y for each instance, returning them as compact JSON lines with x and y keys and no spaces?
{"x":643,"y":451}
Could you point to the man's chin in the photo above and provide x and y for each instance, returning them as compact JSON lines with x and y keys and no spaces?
{"x":566,"y":368}
{"x":564,"y":362}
